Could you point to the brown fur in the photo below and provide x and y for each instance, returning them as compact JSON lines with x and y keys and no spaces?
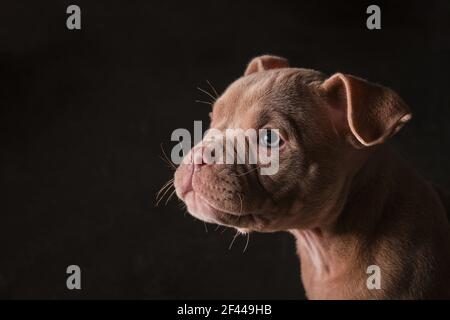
{"x":348,"y":199}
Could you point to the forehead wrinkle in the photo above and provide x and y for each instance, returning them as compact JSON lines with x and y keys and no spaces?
{"x":265,"y":85}
{"x":273,"y":116}
{"x":248,"y":94}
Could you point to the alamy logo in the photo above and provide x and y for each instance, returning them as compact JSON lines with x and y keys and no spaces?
{"x":231,"y":146}
{"x":74,"y":280}
{"x":73,"y":22}
{"x":374,"y":280}
{"x":374,"y":20}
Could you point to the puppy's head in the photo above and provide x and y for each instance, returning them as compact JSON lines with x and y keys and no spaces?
{"x":322,"y":129}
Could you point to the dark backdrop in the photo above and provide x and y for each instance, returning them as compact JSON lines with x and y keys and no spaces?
{"x":83,"y":114}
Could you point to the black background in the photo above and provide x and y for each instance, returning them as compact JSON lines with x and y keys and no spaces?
{"x":83,"y":114}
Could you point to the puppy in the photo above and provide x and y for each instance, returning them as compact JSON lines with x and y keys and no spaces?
{"x":347,"y":198}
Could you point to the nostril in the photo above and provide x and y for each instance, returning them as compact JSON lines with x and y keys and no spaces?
{"x":199,"y":165}
{"x":198,"y":158}
{"x":203,"y":156}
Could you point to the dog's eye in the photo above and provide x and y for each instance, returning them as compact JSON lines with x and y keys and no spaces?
{"x":270,"y":138}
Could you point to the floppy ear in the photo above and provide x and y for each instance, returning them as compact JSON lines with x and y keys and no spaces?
{"x":265,"y":62}
{"x":372,"y":113}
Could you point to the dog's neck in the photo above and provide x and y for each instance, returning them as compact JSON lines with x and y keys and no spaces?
{"x":313,"y":245}
{"x":327,"y":251}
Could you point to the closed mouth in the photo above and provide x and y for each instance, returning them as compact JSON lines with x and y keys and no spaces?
{"x":214,"y":207}
{"x":211,"y":213}
{"x":204,"y":209}
{"x":228,"y":217}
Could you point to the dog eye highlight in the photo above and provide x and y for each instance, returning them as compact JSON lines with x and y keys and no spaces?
{"x":270,"y":139}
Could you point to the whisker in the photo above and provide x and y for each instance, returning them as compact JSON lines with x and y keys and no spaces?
{"x":169,"y":165}
{"x":232,"y":241}
{"x":240,"y":198}
{"x":162,"y":196}
{"x":165,"y":192}
{"x":206,"y":92}
{"x":167,"y":158}
{"x":246,"y":243}
{"x":164,"y":187}
{"x":238,"y":218}
{"x":170,"y":196}
{"x":205,"y":102}
{"x":212,"y":87}
{"x":206,"y":227}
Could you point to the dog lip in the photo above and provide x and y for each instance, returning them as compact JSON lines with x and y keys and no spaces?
{"x":186,"y":186}
{"x":228,"y":218}
{"x":212,"y":214}
{"x":185,"y":191}
{"x":212,"y":206}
